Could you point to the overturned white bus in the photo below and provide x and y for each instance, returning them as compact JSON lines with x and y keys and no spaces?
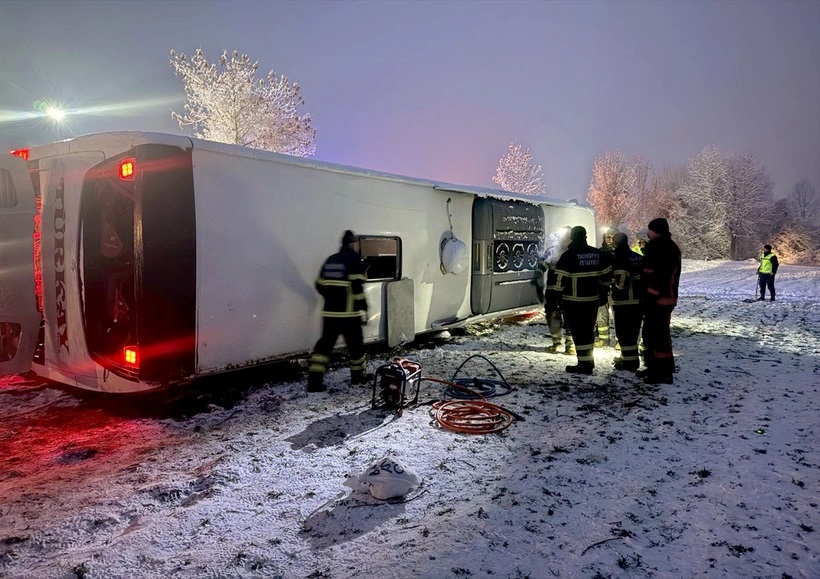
{"x":137,"y":261}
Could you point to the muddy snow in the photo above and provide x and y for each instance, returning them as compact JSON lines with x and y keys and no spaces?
{"x":717,"y":475}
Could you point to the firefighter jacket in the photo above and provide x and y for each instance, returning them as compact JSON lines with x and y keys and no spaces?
{"x":545,"y":281}
{"x":340,"y":282}
{"x":627,"y":267}
{"x":541,"y":268}
{"x":661,"y":271}
{"x":583,"y":274}
{"x":768,"y":263}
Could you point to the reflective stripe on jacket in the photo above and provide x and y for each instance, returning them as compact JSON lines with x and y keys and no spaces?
{"x":583,"y":274}
{"x":626,"y":282}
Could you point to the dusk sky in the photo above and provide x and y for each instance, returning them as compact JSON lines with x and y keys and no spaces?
{"x":438,"y":89}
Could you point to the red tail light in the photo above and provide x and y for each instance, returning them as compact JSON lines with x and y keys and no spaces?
{"x":131,"y":356}
{"x":127,"y":169}
{"x":22,"y":153}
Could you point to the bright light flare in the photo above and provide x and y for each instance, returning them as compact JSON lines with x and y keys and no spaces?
{"x":56,"y":114}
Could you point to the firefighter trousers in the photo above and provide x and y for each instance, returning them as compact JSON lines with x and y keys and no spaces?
{"x":657,"y":339}
{"x":627,"y":329}
{"x":332,"y":328}
{"x":581,"y":316}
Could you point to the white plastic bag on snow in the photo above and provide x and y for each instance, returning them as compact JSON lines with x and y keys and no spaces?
{"x":384,"y":479}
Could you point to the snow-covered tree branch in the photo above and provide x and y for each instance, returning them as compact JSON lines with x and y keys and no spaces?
{"x":803,"y":202}
{"x":228,"y":104}
{"x":517,"y":173}
{"x":748,"y":203}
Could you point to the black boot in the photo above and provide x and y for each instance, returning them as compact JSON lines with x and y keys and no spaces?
{"x":630,"y":365}
{"x":658,"y":379}
{"x":580,"y":369}
{"x":359,"y":377}
{"x":315,"y":383}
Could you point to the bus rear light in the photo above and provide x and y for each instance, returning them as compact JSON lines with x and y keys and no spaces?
{"x":127,"y":169}
{"x":22,"y":153}
{"x":131,"y":356}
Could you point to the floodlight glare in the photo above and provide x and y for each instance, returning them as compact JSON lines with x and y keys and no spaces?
{"x":56,"y":114}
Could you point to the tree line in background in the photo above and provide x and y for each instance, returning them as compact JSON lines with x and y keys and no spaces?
{"x":719,"y":206}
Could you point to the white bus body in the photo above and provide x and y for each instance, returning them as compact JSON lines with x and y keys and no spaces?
{"x":161,"y":258}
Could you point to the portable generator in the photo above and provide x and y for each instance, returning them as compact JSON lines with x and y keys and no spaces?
{"x":396,"y":385}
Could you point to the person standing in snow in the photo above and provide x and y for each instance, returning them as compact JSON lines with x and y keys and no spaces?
{"x":551,"y":295}
{"x":627,"y":267}
{"x":766,"y":272}
{"x":602,"y":322}
{"x":583,"y":274}
{"x":340,"y":283}
{"x":660,"y":279}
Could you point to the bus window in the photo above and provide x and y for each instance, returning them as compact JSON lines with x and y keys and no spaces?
{"x":381,"y":257}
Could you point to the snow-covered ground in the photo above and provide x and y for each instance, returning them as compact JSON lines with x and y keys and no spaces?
{"x":717,"y":475}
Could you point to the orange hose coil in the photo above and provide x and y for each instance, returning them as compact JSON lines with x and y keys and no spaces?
{"x":470,"y":416}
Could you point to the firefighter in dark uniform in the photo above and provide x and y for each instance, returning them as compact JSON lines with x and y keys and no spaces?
{"x":345,"y":312}
{"x":583,"y":275}
{"x":660,"y":280}
{"x":602,"y":322}
{"x":627,"y":266}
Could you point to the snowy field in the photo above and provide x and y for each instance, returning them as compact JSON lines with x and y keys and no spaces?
{"x":717,"y":475}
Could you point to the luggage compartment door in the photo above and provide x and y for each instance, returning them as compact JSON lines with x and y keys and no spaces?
{"x":19,"y":319}
{"x":507,"y":238}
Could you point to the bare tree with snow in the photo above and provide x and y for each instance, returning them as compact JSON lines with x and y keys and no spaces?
{"x":723,"y":206}
{"x":804,"y":204}
{"x":611,"y":188}
{"x":797,"y":239}
{"x":748,"y":201}
{"x":702,"y":213}
{"x":227,"y":103}
{"x":517,"y":173}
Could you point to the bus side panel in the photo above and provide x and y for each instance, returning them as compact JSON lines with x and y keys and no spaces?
{"x":263,"y":230}
{"x":61,"y":180}
{"x":482,"y":262}
{"x":166,"y":265}
{"x":510,"y":233}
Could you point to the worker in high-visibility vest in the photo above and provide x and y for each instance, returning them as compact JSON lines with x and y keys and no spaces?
{"x":766,"y":272}
{"x":642,"y":240}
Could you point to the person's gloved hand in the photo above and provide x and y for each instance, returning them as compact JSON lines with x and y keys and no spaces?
{"x":365,"y":317}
